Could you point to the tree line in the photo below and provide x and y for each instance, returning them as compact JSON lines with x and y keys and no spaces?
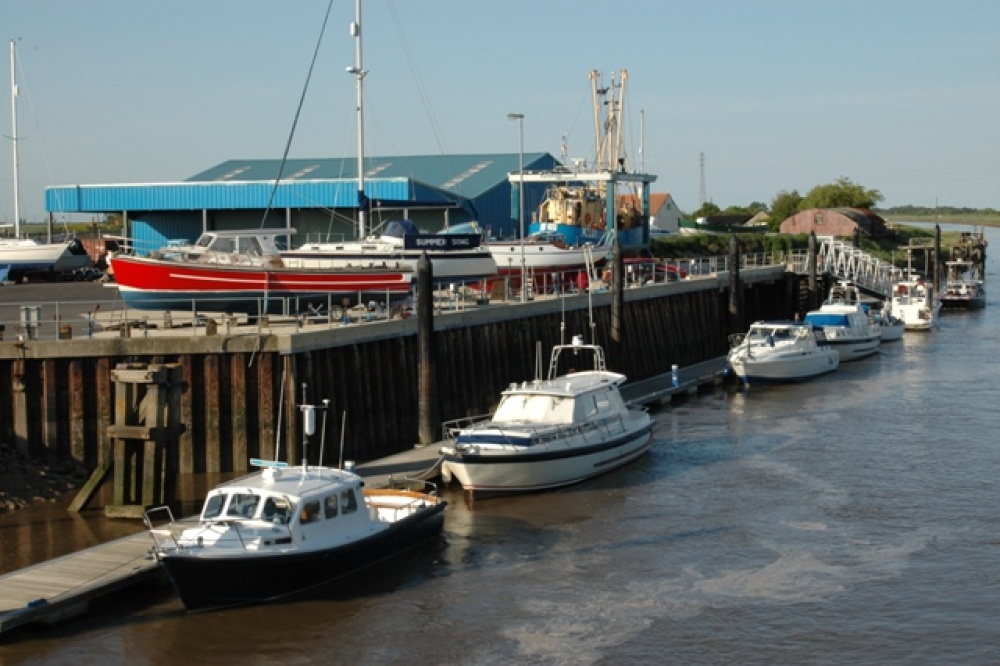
{"x":842,"y":193}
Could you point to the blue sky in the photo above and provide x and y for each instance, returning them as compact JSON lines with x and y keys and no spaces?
{"x":902,"y":96}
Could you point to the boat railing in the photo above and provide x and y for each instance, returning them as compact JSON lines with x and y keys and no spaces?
{"x":450,"y":429}
{"x":537,"y":434}
{"x":406,"y":496}
{"x":167,"y":533}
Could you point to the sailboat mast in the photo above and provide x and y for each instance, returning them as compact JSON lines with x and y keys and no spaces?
{"x":359,"y":74}
{"x":13,"y":138}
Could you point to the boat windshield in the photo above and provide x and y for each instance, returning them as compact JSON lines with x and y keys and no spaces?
{"x":819,"y":319}
{"x":520,"y":408}
{"x":760,"y":333}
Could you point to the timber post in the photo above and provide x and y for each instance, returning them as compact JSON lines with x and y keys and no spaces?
{"x":617,"y":305}
{"x":937,"y":262}
{"x":812,"y":272}
{"x":147,"y":424}
{"x":426,"y":424}
{"x":735,"y":288}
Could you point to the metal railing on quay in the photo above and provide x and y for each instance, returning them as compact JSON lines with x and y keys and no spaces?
{"x":63,"y":320}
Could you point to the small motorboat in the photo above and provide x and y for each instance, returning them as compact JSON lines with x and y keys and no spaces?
{"x":914,"y":302}
{"x":774,"y":352}
{"x":548,"y":433}
{"x":846,"y":323}
{"x":282,"y":531}
{"x":891,"y":326}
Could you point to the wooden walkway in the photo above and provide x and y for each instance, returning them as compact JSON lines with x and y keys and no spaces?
{"x":62,"y":588}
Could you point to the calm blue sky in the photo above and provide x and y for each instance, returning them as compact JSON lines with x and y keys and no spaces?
{"x":902,"y":96}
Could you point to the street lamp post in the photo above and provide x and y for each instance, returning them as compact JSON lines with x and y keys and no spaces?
{"x":519,"y":117}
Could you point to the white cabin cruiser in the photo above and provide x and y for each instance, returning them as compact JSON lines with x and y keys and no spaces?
{"x":774,"y":352}
{"x":846,"y":323}
{"x":548,"y":433}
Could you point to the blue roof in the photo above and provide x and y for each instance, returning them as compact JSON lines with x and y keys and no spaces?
{"x":446,"y":180}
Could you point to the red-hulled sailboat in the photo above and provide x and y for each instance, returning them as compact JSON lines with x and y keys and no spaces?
{"x":243,"y":271}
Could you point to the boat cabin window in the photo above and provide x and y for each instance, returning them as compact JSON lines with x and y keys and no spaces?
{"x":330,"y":506}
{"x":348,"y":501}
{"x":275,"y":510}
{"x":223,"y":244}
{"x":310,"y":512}
{"x":544,"y":408}
{"x":213,"y":506}
{"x":594,"y":405}
{"x":242,"y":505}
{"x":250,"y":245}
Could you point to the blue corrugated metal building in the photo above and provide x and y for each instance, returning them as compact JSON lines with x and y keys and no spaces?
{"x":316,"y":197}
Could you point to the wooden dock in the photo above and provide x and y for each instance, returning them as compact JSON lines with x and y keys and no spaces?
{"x":62,"y":588}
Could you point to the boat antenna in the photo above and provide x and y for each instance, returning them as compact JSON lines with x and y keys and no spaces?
{"x":308,"y":428}
{"x":322,"y":439}
{"x":343,"y":429}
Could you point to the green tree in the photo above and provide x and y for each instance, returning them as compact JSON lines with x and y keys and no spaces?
{"x":708,"y":208}
{"x":784,"y":205}
{"x":841,"y":194}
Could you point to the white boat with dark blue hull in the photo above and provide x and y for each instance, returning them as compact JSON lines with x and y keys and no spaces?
{"x":454,"y":257}
{"x":283,"y":531}
{"x":779,"y":352}
{"x":846,"y":323}
{"x":548,"y":433}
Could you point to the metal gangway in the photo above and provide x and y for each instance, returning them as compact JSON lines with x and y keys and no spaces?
{"x":846,"y":262}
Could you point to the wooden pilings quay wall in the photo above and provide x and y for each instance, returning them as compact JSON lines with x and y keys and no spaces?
{"x":241,"y":388}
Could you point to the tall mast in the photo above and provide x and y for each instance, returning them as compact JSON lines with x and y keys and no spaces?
{"x":359,"y":75}
{"x":13,"y":138}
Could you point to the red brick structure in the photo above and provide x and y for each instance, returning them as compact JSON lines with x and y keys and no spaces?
{"x":834,"y":222}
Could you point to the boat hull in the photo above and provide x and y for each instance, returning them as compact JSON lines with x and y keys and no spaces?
{"x":154,"y":284}
{"x":29,"y":257}
{"x":243,"y":578}
{"x":892,"y":332}
{"x":786,"y":369}
{"x":446,"y":267}
{"x":969,"y":301}
{"x":541,"y":257}
{"x":539,"y":468}
{"x":853,"y":349}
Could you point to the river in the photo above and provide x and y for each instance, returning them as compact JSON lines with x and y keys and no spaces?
{"x":847,"y":520}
